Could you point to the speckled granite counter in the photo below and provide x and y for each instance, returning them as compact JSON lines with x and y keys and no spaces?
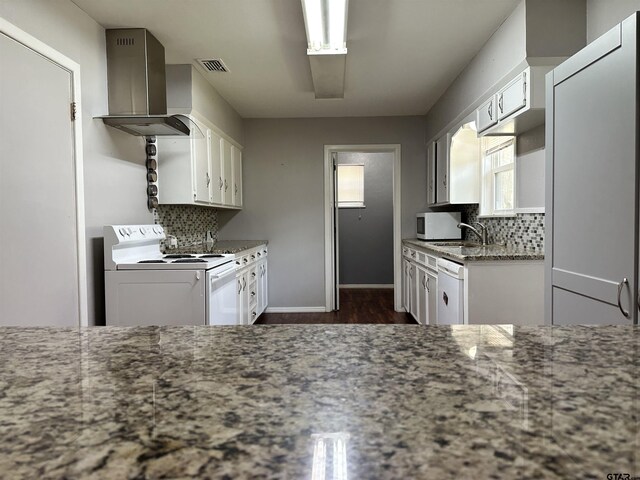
{"x":278,"y":401}
{"x":476,"y":253}
{"x":223,"y":246}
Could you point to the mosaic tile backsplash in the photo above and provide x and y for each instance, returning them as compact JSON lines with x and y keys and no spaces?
{"x":188,"y":223}
{"x":525,"y":230}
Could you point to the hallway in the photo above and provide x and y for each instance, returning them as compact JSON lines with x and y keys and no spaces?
{"x":357,"y":306}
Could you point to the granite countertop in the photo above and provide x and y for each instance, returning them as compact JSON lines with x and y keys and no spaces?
{"x":475,"y":253}
{"x":396,"y":401}
{"x":223,"y":246}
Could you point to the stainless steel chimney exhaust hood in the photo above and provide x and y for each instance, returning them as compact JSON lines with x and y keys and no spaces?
{"x":137,"y":85}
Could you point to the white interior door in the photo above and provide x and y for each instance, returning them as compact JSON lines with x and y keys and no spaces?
{"x":39,"y":237}
{"x":336,"y":232}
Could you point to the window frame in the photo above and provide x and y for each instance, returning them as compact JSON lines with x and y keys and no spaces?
{"x":488,"y":178}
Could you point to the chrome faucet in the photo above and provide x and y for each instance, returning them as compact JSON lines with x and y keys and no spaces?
{"x":482,"y":234}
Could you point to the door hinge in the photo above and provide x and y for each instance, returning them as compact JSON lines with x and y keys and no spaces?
{"x":73,"y":111}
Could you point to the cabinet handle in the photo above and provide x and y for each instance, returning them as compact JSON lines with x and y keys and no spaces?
{"x":428,"y":289}
{"x":244,"y":283}
{"x":226,"y":187}
{"x":236,"y":187}
{"x":524,"y":88}
{"x":253,"y":274}
{"x":239,"y":287}
{"x":490,"y":110}
{"x":620,"y":285}
{"x":444,"y":182}
{"x":221,"y":183}
{"x":501,"y":103}
{"x":208,"y":179}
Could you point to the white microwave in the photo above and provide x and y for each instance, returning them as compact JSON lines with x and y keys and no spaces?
{"x":438,"y":226}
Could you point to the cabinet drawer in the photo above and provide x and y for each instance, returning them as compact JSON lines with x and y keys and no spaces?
{"x":421,"y":258}
{"x":432,"y":262}
{"x":513,"y":97}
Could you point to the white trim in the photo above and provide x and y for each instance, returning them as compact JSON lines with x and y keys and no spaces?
{"x":530,"y":210}
{"x":329,"y":253}
{"x":366,"y":285}
{"x":295,"y":310}
{"x":73,"y":68}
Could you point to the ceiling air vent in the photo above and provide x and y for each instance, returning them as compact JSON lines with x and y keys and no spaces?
{"x":214,"y":65}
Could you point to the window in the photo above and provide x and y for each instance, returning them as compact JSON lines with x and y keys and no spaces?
{"x":498,"y":176}
{"x":351,"y":186}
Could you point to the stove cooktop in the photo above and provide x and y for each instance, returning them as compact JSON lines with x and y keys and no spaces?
{"x":177,"y":262}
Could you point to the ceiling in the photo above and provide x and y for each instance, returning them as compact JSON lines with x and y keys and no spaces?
{"x":402,"y":53}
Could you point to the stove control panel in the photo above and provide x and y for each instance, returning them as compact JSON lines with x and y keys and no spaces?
{"x":135,"y":233}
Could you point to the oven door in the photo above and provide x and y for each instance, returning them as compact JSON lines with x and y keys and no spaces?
{"x":155,"y":297}
{"x":222,"y":295}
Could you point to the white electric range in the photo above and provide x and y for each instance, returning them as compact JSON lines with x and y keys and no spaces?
{"x":143,"y":286}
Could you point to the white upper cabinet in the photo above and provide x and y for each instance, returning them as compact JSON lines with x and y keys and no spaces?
{"x":200,"y":161}
{"x":227,"y":173}
{"x":513,"y":97}
{"x":487,"y":115}
{"x":455,"y":157}
{"x":236,"y":174}
{"x":215,"y":158}
{"x":199,"y":169}
{"x":442,"y":168}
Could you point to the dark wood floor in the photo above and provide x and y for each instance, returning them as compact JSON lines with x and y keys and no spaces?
{"x":357,"y":305}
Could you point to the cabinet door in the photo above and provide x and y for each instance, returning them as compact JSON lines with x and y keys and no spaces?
{"x":431,"y":174}
{"x":240,"y":300}
{"x":513,"y":97}
{"x":406,"y":287}
{"x":227,"y":173}
{"x":236,"y":161}
{"x":486,"y":115}
{"x":592,"y":134}
{"x":442,"y":169}
{"x":422,"y":296}
{"x":215,"y":160}
{"x":200,"y":162}
{"x":432,"y":298}
{"x":413,"y":276}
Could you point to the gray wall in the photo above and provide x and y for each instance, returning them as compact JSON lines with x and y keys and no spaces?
{"x":602,"y":15}
{"x":366,"y":234}
{"x":187,"y":89}
{"x":283,"y":174}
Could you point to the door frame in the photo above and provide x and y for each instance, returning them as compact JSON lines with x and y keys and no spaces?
{"x":64,"y":62}
{"x":329,"y":212}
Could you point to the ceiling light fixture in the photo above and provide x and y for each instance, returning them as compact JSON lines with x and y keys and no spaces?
{"x":326,"y":26}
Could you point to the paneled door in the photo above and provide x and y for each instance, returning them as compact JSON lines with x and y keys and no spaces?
{"x":592,"y":132}
{"x":42,"y":269}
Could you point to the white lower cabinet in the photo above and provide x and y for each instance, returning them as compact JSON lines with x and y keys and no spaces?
{"x":252,"y":284}
{"x":494,"y":292}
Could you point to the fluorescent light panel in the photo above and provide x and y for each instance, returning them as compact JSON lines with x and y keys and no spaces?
{"x":326,"y":24}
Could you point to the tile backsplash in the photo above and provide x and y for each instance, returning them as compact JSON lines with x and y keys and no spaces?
{"x":525,"y":230}
{"x":188,"y":223}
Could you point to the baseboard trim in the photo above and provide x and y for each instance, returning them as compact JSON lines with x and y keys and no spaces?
{"x":295,"y":310}
{"x":367,"y":285}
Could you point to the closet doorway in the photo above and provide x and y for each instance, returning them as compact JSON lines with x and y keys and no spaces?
{"x":362,"y":219}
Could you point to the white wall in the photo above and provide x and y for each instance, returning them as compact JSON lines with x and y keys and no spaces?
{"x":602,"y":15}
{"x":283,"y":174}
{"x":114,"y":169}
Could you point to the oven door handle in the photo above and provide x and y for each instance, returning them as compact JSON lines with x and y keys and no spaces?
{"x":228,"y":271}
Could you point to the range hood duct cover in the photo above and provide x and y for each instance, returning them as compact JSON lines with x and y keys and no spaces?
{"x":137,"y":85}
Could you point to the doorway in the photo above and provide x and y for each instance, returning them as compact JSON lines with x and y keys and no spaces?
{"x":350,"y":154}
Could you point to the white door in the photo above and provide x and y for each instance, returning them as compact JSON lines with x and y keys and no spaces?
{"x":41,"y":247}
{"x":432,"y":298}
{"x":215,"y":159}
{"x":513,"y":97}
{"x":227,"y":173}
{"x":236,"y":161}
{"x":200,"y":159}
